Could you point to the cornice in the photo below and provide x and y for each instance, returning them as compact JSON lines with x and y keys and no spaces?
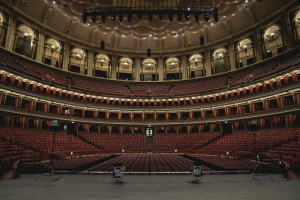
{"x":295,"y":109}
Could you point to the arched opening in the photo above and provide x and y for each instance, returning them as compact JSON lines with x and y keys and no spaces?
{"x":24,"y":41}
{"x":78,"y":61}
{"x":172,"y":69}
{"x":52,"y":53}
{"x":273,"y":41}
{"x":2,"y":30}
{"x":297,"y":24}
{"x":245,"y":53}
{"x":149,"y":70}
{"x":220,"y":61}
{"x":101,"y":66}
{"x":125,"y":69}
{"x":196,"y":67}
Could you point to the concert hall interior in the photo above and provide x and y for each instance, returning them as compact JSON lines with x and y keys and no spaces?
{"x":143,"y":99}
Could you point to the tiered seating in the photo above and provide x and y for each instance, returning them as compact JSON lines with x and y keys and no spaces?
{"x":154,"y":89}
{"x":289,"y":152}
{"x":182,"y":141}
{"x":148,"y":163}
{"x":244,"y":141}
{"x":10,"y":153}
{"x":42,"y":140}
{"x":141,"y":89}
{"x":117,"y":141}
{"x":73,"y":163}
{"x":226,"y":163}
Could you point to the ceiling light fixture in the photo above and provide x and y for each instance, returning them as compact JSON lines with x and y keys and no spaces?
{"x":179,"y":17}
{"x":206,"y":17}
{"x":129,"y":16}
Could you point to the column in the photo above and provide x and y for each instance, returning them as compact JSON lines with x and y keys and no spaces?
{"x":118,"y":71}
{"x":207,"y":63}
{"x":90,"y":63}
{"x":257,"y":45}
{"x":43,"y":53}
{"x":166,"y":75}
{"x":160,"y":69}
{"x":213,"y":65}
{"x":142,"y":77}
{"x":69,"y":65}
{"x":228,"y":62}
{"x":34,"y":44}
{"x":238,"y":60}
{"x":137,"y":68}
{"x":184,"y":67}
{"x":60,"y":59}
{"x":10,"y":35}
{"x":132,"y":73}
{"x":232,"y":55}
{"x":15,"y":41}
{"x":113,"y":67}
{"x":94,"y":72}
{"x":287,"y":36}
{"x":66,"y":57}
{"x":179,"y":67}
{"x":40,"y":54}
{"x":254,"y":54}
{"x":156,"y":73}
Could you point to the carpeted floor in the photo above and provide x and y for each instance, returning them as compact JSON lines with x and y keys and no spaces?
{"x":155,"y":187}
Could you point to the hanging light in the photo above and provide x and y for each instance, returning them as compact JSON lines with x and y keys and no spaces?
{"x":103,"y":18}
{"x":179,"y":17}
{"x":150,"y":17}
{"x":206,"y":17}
{"x":113,"y":16}
{"x":187,"y":16}
{"x":94,"y":17}
{"x":196,"y":15}
{"x":84,"y":16}
{"x":121,"y":17}
{"x":139,"y":16}
{"x":129,"y":16}
{"x":171,"y":17}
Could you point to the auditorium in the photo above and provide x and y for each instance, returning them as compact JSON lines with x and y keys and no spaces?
{"x":150,"y":99}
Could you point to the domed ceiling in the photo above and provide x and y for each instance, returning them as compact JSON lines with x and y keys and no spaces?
{"x":139,"y":34}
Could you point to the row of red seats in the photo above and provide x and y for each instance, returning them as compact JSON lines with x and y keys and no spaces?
{"x":116,"y":142}
{"x":42,"y":140}
{"x":244,"y":141}
{"x":142,"y":162}
{"x":182,"y":141}
{"x":73,"y":163}
{"x":226,"y":163}
{"x":140,"y":89}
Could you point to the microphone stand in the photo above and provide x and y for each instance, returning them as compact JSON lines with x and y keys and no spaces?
{"x":258,"y":167}
{"x":52,"y":173}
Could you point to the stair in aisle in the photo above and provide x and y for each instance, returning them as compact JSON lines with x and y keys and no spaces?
{"x":149,"y":143}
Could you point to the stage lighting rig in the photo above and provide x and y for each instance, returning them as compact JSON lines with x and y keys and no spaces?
{"x":150,"y":11}
{"x":196,"y":171}
{"x":118,"y":172}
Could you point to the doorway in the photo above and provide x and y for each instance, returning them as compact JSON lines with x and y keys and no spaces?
{"x":149,"y":132}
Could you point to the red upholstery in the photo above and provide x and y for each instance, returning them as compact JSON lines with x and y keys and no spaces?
{"x":182,"y":141}
{"x":117,"y":141}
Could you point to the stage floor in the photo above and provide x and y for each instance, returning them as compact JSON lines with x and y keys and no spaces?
{"x":154,"y":187}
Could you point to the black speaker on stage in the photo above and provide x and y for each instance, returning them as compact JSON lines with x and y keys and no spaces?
{"x":102,"y":44}
{"x":149,"y":52}
{"x":201,"y":40}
